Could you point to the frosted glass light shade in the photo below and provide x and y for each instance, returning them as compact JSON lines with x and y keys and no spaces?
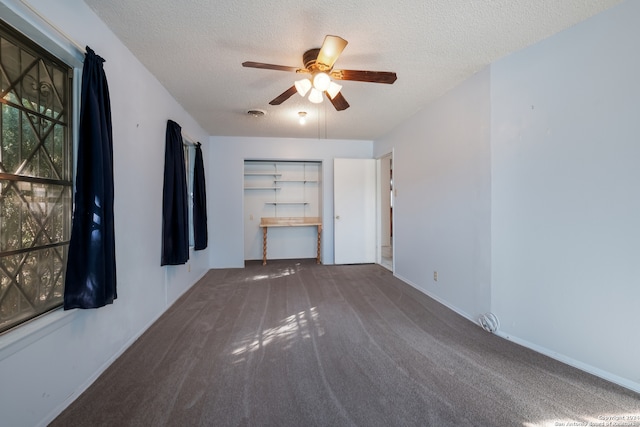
{"x":321,"y":81}
{"x":303,"y":86}
{"x":334,"y":89}
{"x":315,"y":96}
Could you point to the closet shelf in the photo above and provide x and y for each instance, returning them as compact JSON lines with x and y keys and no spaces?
{"x":262,"y":188}
{"x":262,"y":174}
{"x":286,"y":203}
{"x":295,"y":180}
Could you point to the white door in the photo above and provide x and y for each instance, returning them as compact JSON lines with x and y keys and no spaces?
{"x":354,"y":207}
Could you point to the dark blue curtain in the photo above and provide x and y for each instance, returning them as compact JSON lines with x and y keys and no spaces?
{"x":175,"y":211}
{"x":91,"y":263}
{"x":200,"y":234}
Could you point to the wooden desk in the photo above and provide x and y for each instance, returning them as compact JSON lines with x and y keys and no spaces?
{"x":267,"y":222}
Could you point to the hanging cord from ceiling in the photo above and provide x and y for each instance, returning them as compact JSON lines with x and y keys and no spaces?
{"x":324,"y":106}
{"x":322,"y":120}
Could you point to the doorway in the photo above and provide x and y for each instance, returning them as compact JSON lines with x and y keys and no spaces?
{"x":385,"y":211}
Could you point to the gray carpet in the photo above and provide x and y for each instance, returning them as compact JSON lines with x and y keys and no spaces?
{"x":299,"y":344}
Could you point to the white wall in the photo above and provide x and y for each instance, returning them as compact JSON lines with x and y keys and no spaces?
{"x":46,"y":364}
{"x":546,"y":140}
{"x":530,"y":213}
{"x":441,"y":174}
{"x":225,"y":186}
{"x":566,"y":198}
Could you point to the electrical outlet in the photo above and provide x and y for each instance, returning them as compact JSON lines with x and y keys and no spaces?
{"x":435,"y":276}
{"x":251,"y":217}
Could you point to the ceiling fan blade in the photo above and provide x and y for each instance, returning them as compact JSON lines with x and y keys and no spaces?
{"x":251,"y":64}
{"x":284,"y":96}
{"x":365,"y":76}
{"x":338,"y":101}
{"x":331,"y":49}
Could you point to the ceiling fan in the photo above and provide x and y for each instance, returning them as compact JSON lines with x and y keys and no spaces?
{"x":319,"y":64}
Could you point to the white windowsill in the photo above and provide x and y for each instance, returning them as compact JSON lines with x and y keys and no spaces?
{"x":26,"y":334}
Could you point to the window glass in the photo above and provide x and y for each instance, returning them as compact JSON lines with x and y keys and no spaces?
{"x":35,"y":178}
{"x":189,"y":159}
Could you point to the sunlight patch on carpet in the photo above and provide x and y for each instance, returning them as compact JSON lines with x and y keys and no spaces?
{"x":282,"y":273}
{"x":292,"y":328}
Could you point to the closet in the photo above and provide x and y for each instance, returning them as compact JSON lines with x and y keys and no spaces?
{"x":281,"y":189}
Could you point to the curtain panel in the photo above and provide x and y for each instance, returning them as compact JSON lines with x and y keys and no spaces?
{"x":91,"y":261}
{"x":175,"y":210}
{"x":200,"y":233}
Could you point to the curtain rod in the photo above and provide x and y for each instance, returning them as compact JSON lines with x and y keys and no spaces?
{"x":54,"y":26}
{"x":189,"y":139}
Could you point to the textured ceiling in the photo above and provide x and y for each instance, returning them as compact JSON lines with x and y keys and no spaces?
{"x":196,"y":48}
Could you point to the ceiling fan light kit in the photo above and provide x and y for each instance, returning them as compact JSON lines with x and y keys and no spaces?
{"x":321,"y":81}
{"x":319,"y":63}
{"x":333,"y":90}
{"x":315,"y":96}
{"x":303,"y":86}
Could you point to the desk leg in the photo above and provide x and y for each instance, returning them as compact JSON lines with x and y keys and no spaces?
{"x":264,"y":245}
{"x":319,"y":238}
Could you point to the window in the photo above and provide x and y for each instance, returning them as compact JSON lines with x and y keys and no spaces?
{"x":189,"y":160}
{"x":35,"y":178}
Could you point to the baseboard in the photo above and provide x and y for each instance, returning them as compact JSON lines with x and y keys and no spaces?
{"x":84,"y":386}
{"x":624,"y":382}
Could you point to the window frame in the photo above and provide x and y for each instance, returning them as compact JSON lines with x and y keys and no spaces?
{"x":42,"y":201}
{"x":189,"y":148}
{"x":49,"y":42}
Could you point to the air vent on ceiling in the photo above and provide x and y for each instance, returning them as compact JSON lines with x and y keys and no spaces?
{"x":256,"y":113}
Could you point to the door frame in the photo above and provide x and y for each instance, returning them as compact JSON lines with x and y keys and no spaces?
{"x":380,"y":187}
